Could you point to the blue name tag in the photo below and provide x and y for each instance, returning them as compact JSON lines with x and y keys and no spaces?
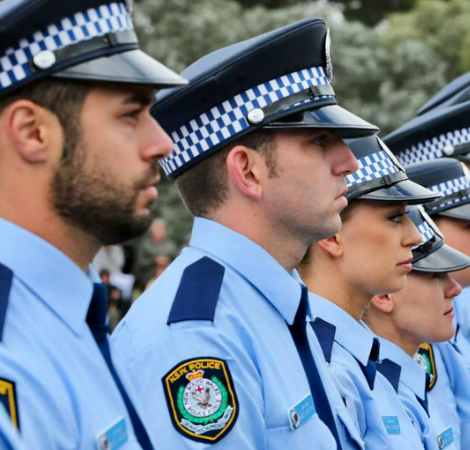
{"x":445,"y":438}
{"x":113,"y":437}
{"x":392,"y":424}
{"x":301,"y":412}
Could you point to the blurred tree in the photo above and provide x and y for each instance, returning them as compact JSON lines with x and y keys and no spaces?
{"x":380,"y":73}
{"x":442,"y":25}
{"x":371,"y":12}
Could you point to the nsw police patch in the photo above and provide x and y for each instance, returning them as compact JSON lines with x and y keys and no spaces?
{"x":201,"y":399}
{"x":425,"y":358}
{"x":9,"y":401}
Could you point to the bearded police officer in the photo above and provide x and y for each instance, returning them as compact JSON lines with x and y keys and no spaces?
{"x":218,"y":347}
{"x":78,"y":156}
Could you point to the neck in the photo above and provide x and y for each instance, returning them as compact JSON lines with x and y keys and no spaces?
{"x":383,"y":325}
{"x":326,"y":281}
{"x":287,"y":249}
{"x":77,"y":245}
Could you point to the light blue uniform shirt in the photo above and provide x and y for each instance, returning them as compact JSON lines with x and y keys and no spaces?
{"x":451,"y":392}
{"x":248,"y":331}
{"x":9,"y":437}
{"x":379,"y":414}
{"x":67,"y":398}
{"x":461,"y":340}
{"x":412,"y":385}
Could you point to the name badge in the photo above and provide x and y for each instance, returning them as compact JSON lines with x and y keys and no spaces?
{"x":392,"y":424}
{"x":445,"y":438}
{"x":114,"y":437}
{"x":301,"y":412}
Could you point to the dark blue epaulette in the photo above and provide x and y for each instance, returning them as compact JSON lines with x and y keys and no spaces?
{"x":198,"y":292}
{"x":6,"y":276}
{"x":391,"y":371}
{"x":325,"y":332}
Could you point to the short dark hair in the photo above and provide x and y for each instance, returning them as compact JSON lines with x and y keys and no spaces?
{"x":203,"y":188}
{"x":64,"y":98}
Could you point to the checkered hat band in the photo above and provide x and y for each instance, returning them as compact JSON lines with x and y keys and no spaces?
{"x":371,"y":167}
{"x":433,"y":148}
{"x":451,"y":187}
{"x":228,"y":119}
{"x":426,"y":232}
{"x":15,"y":63}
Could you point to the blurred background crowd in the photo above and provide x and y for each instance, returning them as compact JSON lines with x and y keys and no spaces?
{"x":390,"y":57}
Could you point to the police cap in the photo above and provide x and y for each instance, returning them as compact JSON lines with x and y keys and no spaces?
{"x":440,"y":132}
{"x":380,"y":176}
{"x":449,"y":177}
{"x":433,"y":255}
{"x":92,"y":40}
{"x":457,"y":91}
{"x":280,"y":80}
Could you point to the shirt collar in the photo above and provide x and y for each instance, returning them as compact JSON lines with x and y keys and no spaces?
{"x":53,"y":277}
{"x":254,"y":263}
{"x":350,"y":334}
{"x":411,"y":374}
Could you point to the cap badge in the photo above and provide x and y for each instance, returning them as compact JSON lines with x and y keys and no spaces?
{"x":329,"y":58}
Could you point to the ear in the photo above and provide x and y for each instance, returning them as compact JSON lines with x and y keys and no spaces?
{"x":245,"y":171}
{"x":31,"y":130}
{"x":332,"y":245}
{"x":383,"y":302}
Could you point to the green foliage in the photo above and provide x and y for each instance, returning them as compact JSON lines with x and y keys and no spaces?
{"x":384,"y":74}
{"x":371,"y":12}
{"x":442,"y":26}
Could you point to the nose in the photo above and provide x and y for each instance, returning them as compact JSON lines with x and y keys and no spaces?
{"x":157,"y":143}
{"x":346,"y":161}
{"x":452,"y":288}
{"x":411,"y":236}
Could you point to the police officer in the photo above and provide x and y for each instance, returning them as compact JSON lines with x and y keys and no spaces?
{"x":78,"y":152}
{"x":376,"y":232}
{"x":432,"y":135}
{"x":418,"y":314}
{"x":218,"y":347}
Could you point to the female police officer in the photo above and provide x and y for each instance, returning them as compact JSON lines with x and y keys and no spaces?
{"x":421,"y":313}
{"x":370,"y":255}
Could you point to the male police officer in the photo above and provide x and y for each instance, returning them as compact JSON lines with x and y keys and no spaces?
{"x":259,"y":161}
{"x":78,"y":156}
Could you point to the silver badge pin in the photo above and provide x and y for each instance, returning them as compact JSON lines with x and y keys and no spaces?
{"x":44,"y":60}
{"x":448,"y":150}
{"x":255,"y":116}
{"x":329,"y":58}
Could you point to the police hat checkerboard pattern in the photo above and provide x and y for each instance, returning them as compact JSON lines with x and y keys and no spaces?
{"x":371,"y":167}
{"x":449,"y":187}
{"x":270,"y":81}
{"x":15,"y":63}
{"x":229,"y":118}
{"x":426,"y":232}
{"x":434,"y":147}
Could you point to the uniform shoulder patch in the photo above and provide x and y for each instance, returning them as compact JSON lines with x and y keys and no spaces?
{"x":9,"y":401}
{"x":425,"y":358}
{"x":201,"y":399}
{"x":198,"y":291}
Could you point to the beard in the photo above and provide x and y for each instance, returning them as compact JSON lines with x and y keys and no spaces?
{"x":91,"y":200}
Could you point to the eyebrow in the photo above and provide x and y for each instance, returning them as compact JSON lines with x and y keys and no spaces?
{"x":144,"y":98}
